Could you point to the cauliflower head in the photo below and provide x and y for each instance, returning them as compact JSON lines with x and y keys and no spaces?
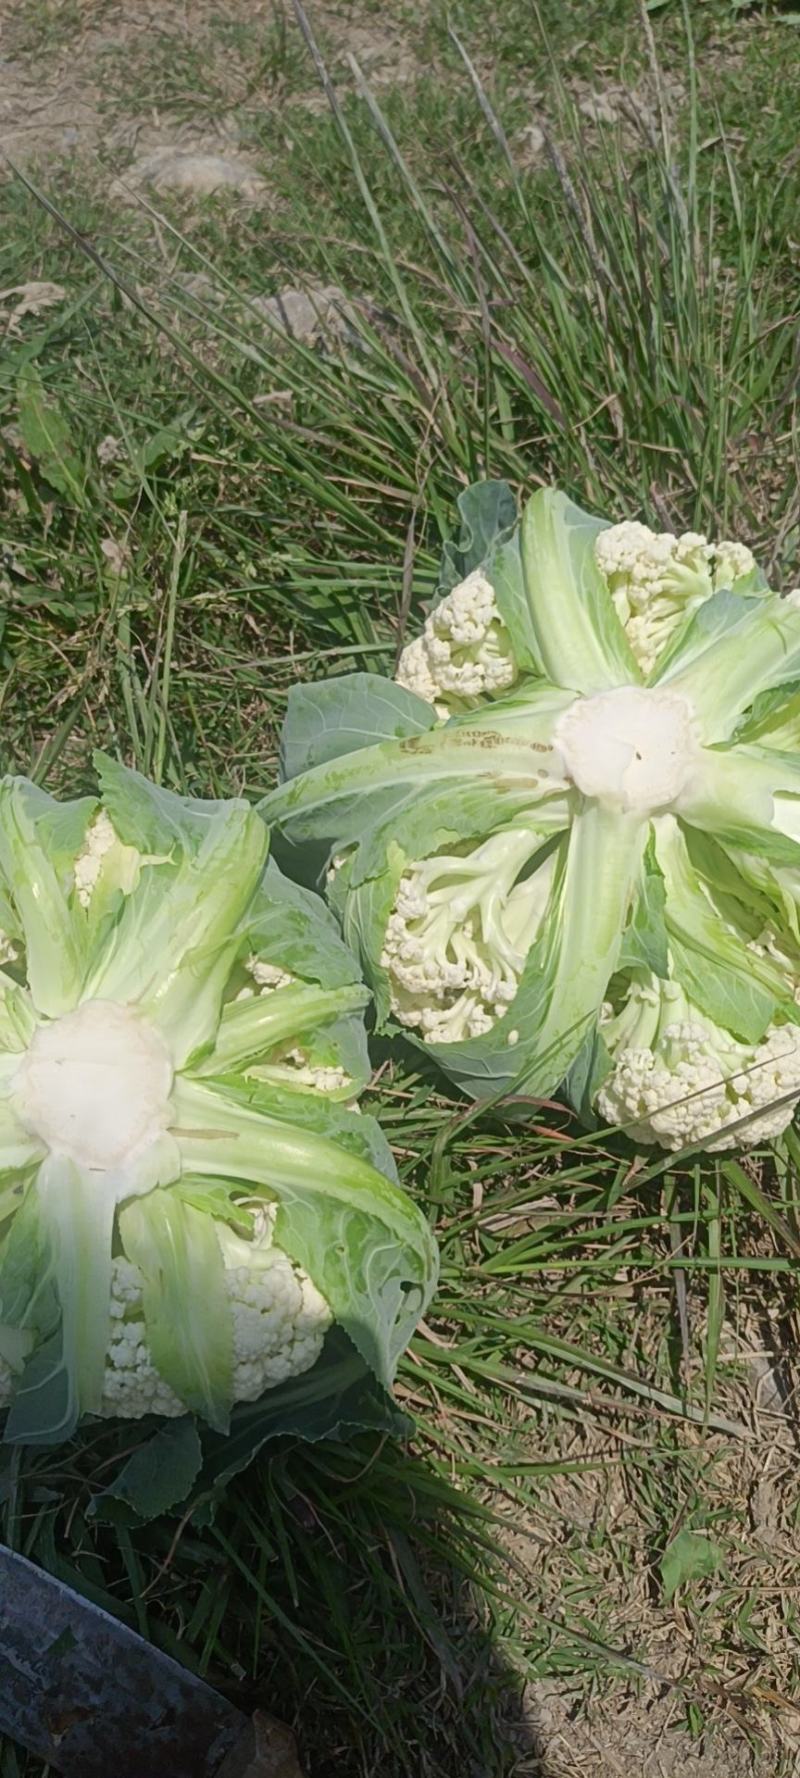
{"x":185,"y":1205}
{"x":278,"y":1322}
{"x":657,"y":580}
{"x":277,"y":1325}
{"x":464,"y":653}
{"x":509,"y":870}
{"x":459,"y":933}
{"x":681,"y":1081}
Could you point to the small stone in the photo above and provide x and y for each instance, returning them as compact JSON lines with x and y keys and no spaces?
{"x":308,"y":316}
{"x":200,"y":287}
{"x":530,"y":144}
{"x":109,"y":450}
{"x":191,"y":170}
{"x":33,"y":299}
{"x":116,"y":556}
{"x":605,"y":107}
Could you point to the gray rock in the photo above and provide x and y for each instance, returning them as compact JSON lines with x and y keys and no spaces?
{"x":309,"y":316}
{"x":530,"y":144}
{"x":194,"y":171}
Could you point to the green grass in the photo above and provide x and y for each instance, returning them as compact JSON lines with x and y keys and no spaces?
{"x":623,"y":322}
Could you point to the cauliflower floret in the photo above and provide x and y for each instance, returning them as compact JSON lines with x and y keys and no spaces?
{"x":294,"y":1068}
{"x":104,"y":856}
{"x":657,"y":579}
{"x":279,"y":1324}
{"x":100,"y":837}
{"x":680,"y":1080}
{"x":732,"y":561}
{"x":459,"y":933}
{"x":778,"y":947}
{"x":464,"y":653}
{"x":269,"y":976}
{"x":332,"y":872}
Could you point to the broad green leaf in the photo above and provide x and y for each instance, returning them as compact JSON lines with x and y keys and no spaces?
{"x":337,"y":1396}
{"x":506,"y":572}
{"x":366,"y":1246}
{"x":723,"y":614}
{"x":692,"y":1555}
{"x":747,"y":797}
{"x":216,"y":1198}
{"x":352,"y":1130}
{"x":159,"y":1475}
{"x":15,"y":1345}
{"x":151,"y":818}
{"x":248,"y":1029}
{"x":773,"y":719}
{"x":771,"y":885}
{"x":644,"y":942}
{"x":18,"y":1148}
{"x":340,"y":1044}
{"x":456,"y":780}
{"x":567,"y":969}
{"x":578,"y":636}
{"x":331,"y":1400}
{"x":290,"y":927}
{"x":338,"y":716}
{"x":724,"y":675}
{"x":365,"y":915}
{"x":63,"y":1379}
{"x":24,"y":1285}
{"x":47,"y":438}
{"x":35,"y":869}
{"x":187,"y":1311}
{"x":473,"y":809}
{"x":730,"y":983}
{"x":488,"y":515}
{"x":17,"y":1016}
{"x":12,"y":1196}
{"x":490,"y":540}
{"x":9,"y":922}
{"x":585,"y":1076}
{"x":173,"y":946}
{"x":748,"y":902}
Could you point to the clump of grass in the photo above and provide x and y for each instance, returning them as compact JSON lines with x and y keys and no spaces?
{"x":613,"y":319}
{"x":610,"y":322}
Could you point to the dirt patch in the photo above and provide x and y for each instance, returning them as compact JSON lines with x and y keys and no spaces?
{"x":711,"y":1683}
{"x":629,"y":1734}
{"x":115,"y":80}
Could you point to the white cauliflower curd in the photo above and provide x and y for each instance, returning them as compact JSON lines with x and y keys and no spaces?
{"x":681,"y":1081}
{"x":464,"y":653}
{"x":657,"y":580}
